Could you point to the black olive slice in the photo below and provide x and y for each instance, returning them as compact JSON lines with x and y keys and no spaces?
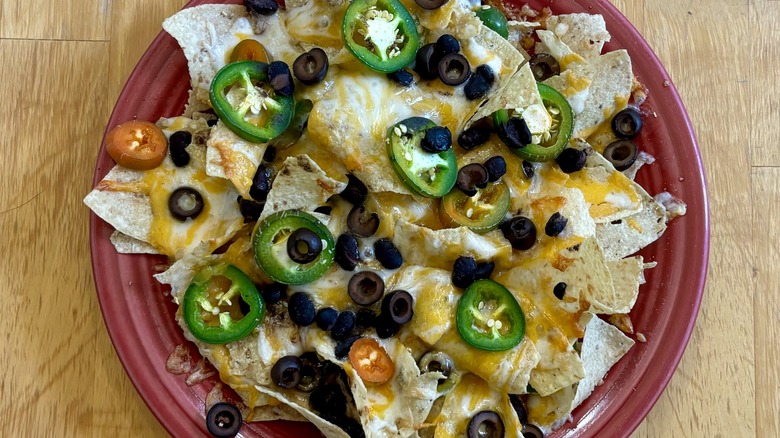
{"x":185,"y":203}
{"x":398,"y":306}
{"x":326,"y":317}
{"x":485,"y":424}
{"x":177,"y":147}
{"x":274,"y":292}
{"x":517,"y":403}
{"x":622,"y":154}
{"x":528,"y":169}
{"x":571,"y":160}
{"x":301,"y":309}
{"x":223,"y":420}
{"x":304,"y":246}
{"x":484,"y":270}
{"x":627,"y":123}
{"x":436,"y":362}
{"x":520,"y":232}
{"x":431,"y":4}
{"x":250,"y":210}
{"x":401,"y":77}
{"x":471,"y":177}
{"x":361,"y":223}
{"x":366,"y":288}
{"x":531,"y":431}
{"x":515,"y":133}
{"x":311,"y":67}
{"x":286,"y":372}
{"x":423,"y":64}
{"x":544,"y":66}
{"x":454,"y":69}
{"x":311,"y":372}
{"x":555,"y":224}
{"x":328,"y":399}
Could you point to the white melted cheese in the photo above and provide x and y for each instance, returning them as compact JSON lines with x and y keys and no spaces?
{"x":577,"y":101}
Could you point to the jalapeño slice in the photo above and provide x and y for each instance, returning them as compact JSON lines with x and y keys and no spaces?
{"x":549,"y":144}
{"x":480,"y":213}
{"x":489,"y":317}
{"x":272,"y":252}
{"x":211,"y":306}
{"x":380,"y":33}
{"x":429,"y":174}
{"x":243,"y":99}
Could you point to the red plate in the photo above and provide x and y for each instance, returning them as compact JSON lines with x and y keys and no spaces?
{"x":140,"y":317}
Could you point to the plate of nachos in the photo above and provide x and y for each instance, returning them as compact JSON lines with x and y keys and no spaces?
{"x":399,"y":218}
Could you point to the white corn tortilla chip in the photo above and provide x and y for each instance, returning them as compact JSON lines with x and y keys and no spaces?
{"x":231,"y":157}
{"x":208,"y":33}
{"x":595,"y":89}
{"x":435,"y":300}
{"x":470,"y":396}
{"x":584,"y":33}
{"x":398,"y":407}
{"x":602,"y":347}
{"x":301,"y":185}
{"x":627,"y":276}
{"x":440,"y":248}
{"x":125,"y":244}
{"x":136,"y":204}
{"x":519,"y":93}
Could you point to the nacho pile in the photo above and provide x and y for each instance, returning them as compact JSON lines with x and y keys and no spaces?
{"x":336,"y":255}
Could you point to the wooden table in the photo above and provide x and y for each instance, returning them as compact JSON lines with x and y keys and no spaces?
{"x":63,"y":66}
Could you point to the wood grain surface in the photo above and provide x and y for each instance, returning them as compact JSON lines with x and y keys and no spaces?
{"x":63,"y":66}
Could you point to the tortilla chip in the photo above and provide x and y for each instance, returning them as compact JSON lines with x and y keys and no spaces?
{"x":136,"y":204}
{"x":440,"y":248}
{"x":398,"y":407}
{"x":551,"y":411}
{"x":584,"y":33}
{"x":519,"y":93}
{"x":125,"y":244}
{"x":435,"y":300}
{"x":300,"y":185}
{"x":550,"y":43}
{"x":602,"y":347}
{"x":595,"y":89}
{"x":231,"y":157}
{"x":327,"y":428}
{"x":623,"y":237}
{"x":507,"y":371}
{"x":470,"y":396}
{"x":627,"y":276}
{"x":208,"y":33}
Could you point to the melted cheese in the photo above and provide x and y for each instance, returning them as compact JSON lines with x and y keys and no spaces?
{"x":608,"y":197}
{"x":317,"y":23}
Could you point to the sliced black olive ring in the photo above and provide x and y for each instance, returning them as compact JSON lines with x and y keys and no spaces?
{"x":286,"y":372}
{"x":471,"y":177}
{"x":311,"y":372}
{"x":627,"y":123}
{"x":454,"y":69}
{"x":361,"y":223}
{"x":486,"y":424}
{"x":223,"y":420}
{"x":531,"y":431}
{"x":398,"y":306}
{"x":544,"y":66}
{"x":304,"y":246}
{"x":185,"y":203}
{"x":366,"y":288}
{"x":520,"y":232}
{"x":311,"y":67}
{"x":622,"y":154}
